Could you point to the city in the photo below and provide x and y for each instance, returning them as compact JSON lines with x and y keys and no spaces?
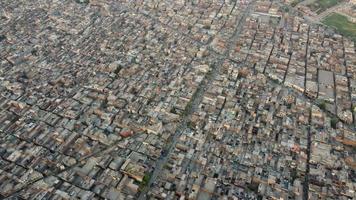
{"x":177,"y":99}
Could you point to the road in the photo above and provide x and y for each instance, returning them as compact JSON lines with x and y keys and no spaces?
{"x":195,"y":101}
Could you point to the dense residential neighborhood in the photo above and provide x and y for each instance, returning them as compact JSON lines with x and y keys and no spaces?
{"x":175,"y":99}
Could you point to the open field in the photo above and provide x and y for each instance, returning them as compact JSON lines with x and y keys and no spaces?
{"x":342,"y":24}
{"x":320,"y":6}
{"x":295,"y":2}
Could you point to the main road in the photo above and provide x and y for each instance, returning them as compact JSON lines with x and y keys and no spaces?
{"x":195,"y":101}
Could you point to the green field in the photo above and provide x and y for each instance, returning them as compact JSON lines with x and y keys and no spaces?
{"x":320,"y":6}
{"x":342,"y":24}
{"x":295,"y":2}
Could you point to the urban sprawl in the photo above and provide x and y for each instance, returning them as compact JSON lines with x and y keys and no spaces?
{"x":175,"y":99}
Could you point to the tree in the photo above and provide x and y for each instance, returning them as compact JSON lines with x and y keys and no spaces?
{"x":322,"y":105}
{"x":333,"y":122}
{"x":145,"y":180}
{"x":82,"y":1}
{"x":191,"y":125}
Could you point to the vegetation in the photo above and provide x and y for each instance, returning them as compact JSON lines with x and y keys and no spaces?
{"x":354,"y":108}
{"x":295,"y":2}
{"x":207,"y":27}
{"x":145,"y":181}
{"x":188,"y":108}
{"x":174,"y":111}
{"x":294,"y":174}
{"x":117,"y":70}
{"x":82,"y":1}
{"x":253,"y":187}
{"x":191,"y":125}
{"x":289,"y":105}
{"x":322,"y":105}
{"x":342,"y":24}
{"x":320,"y":6}
{"x":285,"y":8}
{"x":166,"y":166}
{"x":333,"y":122}
{"x":2,"y":37}
{"x":276,"y":81}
